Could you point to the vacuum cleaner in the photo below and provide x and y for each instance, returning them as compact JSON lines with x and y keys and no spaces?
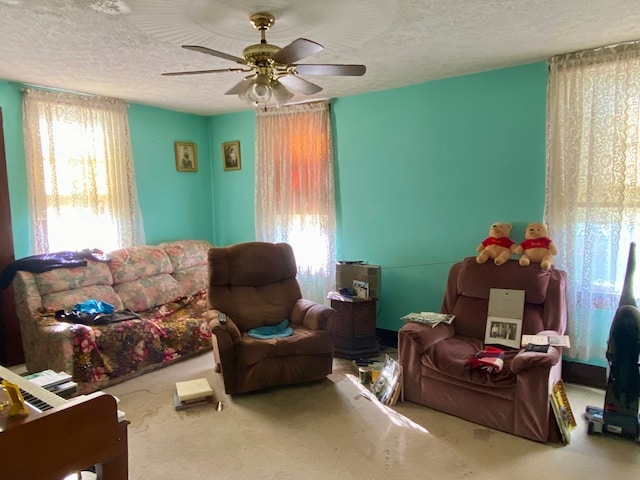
{"x":619,"y":416}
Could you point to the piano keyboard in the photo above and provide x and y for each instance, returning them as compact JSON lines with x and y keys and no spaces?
{"x":37,"y":397}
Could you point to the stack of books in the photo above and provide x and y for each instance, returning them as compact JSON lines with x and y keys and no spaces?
{"x":191,"y":393}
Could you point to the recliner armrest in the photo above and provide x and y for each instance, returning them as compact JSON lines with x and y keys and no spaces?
{"x":525,"y":360}
{"x":219,"y":329}
{"x":223,"y":338}
{"x":313,"y":316}
{"x":423,"y":336}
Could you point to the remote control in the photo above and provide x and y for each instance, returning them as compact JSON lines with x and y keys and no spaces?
{"x":222,"y":318}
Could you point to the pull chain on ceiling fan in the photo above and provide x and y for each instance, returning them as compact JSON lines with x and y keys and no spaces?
{"x":274,"y":71}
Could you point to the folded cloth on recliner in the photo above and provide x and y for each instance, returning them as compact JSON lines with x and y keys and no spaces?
{"x":490,"y":360}
{"x":272,"y":331}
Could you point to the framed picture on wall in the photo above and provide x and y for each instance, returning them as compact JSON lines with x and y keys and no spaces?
{"x":231,"y":155}
{"x":186,"y":157}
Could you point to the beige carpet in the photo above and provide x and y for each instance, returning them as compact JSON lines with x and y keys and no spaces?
{"x":328,"y":430}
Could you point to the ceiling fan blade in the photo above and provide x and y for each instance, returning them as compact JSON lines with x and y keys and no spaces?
{"x":300,"y":84}
{"x":241,"y":87}
{"x":280,"y":93}
{"x":318,"y":69}
{"x":197,"y":72}
{"x":215,"y":53}
{"x":296,"y":50}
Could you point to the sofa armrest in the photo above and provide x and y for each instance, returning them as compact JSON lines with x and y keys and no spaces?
{"x":50,"y":347}
{"x":314,"y":316}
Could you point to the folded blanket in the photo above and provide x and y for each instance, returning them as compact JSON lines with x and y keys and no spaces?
{"x":272,"y":331}
{"x":489,"y":360}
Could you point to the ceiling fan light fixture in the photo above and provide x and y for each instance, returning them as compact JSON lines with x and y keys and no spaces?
{"x":260,"y":90}
{"x":280,"y":93}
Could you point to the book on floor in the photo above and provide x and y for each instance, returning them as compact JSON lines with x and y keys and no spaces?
{"x":562,"y":411}
{"x":193,"y":390}
{"x":180,"y":405}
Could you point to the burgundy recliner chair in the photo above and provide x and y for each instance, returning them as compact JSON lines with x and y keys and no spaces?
{"x":254,"y":284}
{"x":515,"y":400}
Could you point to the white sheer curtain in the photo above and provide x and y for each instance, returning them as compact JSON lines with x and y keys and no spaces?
{"x":82,"y":187}
{"x":593,"y":184}
{"x":295,"y":201}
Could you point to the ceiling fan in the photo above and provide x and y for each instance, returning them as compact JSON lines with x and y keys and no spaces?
{"x":274,"y":71}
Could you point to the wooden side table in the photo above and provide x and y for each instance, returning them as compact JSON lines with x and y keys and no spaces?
{"x":356,"y":329}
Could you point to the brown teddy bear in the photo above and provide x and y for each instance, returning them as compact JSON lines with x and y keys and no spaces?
{"x":497,"y":246}
{"x":537,"y":247}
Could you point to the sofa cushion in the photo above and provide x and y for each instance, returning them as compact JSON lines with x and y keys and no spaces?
{"x":302,"y":342}
{"x":67,"y":299}
{"x":449,"y":357}
{"x":185,"y":254}
{"x":189,"y":261}
{"x":134,"y":263}
{"x":148,"y":292}
{"x":141,"y":277}
{"x":61,"y":279}
{"x":192,"y":280}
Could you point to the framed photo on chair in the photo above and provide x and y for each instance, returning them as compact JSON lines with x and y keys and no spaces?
{"x":504,"y":318}
{"x":503,"y":331}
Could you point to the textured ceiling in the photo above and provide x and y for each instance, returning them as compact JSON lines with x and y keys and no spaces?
{"x":119,"y":48}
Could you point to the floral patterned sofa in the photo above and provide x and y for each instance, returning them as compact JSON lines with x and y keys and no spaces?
{"x":165,"y":284}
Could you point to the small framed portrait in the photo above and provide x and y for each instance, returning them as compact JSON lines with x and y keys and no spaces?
{"x":503,"y":331}
{"x":231,"y":155}
{"x":186,"y":157}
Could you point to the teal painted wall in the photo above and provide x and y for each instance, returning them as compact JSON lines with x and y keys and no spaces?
{"x":421,"y":174}
{"x":174,"y":204}
{"x":11,"y":104}
{"x":234,"y":205}
{"x":423,"y":171}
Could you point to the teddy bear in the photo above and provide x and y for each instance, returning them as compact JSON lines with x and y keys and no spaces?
{"x":497,"y":246}
{"x":537,"y":247}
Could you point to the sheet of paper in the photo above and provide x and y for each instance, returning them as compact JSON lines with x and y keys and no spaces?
{"x":506,"y":303}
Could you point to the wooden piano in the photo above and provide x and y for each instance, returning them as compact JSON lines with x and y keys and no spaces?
{"x":60,"y":437}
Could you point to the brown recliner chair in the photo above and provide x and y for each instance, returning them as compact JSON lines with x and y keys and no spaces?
{"x":254,"y":284}
{"x":516,"y":400}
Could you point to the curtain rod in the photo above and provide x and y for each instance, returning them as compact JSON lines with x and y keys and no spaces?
{"x":614,"y":46}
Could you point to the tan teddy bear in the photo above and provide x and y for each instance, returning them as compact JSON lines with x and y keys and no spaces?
{"x":497,"y":246}
{"x":537,"y":247}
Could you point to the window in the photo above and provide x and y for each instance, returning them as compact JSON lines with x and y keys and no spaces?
{"x":593,"y":184}
{"x":295,"y":192}
{"x":81,"y":179}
